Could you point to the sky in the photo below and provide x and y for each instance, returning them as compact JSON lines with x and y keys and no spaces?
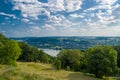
{"x":36,"y":18}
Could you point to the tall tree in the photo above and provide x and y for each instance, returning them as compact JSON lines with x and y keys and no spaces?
{"x":57,"y":64}
{"x":71,"y":58}
{"x":33,"y":54}
{"x":29,"y":53}
{"x":9,"y":53}
{"x":102,"y":60}
{"x":117,"y":48}
{"x":43,"y":57}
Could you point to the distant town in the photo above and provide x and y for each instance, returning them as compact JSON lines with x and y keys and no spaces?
{"x":59,"y":43}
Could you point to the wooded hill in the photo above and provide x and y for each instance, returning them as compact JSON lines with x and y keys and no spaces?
{"x":101,"y":61}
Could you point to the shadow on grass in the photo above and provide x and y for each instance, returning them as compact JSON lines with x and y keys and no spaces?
{"x":81,"y":76}
{"x":49,"y":69}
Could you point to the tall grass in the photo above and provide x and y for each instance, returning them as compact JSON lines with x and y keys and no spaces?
{"x":13,"y":73}
{"x":39,"y":71}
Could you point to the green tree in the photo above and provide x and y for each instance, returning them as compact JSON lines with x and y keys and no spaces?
{"x":71,"y":58}
{"x":33,"y":54}
{"x":2,"y":37}
{"x":43,"y":57}
{"x":9,"y":53}
{"x":117,"y":48}
{"x":102,"y":60}
{"x":29,"y":53}
{"x":58,"y":64}
{"x":25,"y":51}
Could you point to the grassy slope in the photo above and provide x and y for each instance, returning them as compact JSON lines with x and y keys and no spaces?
{"x":26,"y":71}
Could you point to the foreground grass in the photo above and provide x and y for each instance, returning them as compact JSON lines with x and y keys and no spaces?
{"x":39,"y":71}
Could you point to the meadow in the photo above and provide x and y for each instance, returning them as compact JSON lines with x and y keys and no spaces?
{"x":39,"y":71}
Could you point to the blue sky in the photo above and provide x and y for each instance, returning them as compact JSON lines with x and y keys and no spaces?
{"x":20,"y":18}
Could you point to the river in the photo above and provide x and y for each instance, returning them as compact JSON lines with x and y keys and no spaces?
{"x":51,"y":51}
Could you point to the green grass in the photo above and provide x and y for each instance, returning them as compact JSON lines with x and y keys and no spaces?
{"x":39,"y":71}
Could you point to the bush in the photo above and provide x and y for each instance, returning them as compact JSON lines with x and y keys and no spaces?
{"x":9,"y":53}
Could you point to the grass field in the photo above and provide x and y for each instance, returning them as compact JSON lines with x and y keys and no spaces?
{"x":39,"y":71}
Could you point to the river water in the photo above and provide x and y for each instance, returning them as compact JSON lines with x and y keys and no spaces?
{"x":51,"y":51}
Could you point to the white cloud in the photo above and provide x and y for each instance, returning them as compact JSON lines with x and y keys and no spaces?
{"x":56,"y":19}
{"x":25,"y":20}
{"x":92,"y":21}
{"x":103,"y":14}
{"x":49,"y":27}
{"x":73,"y":5}
{"x":64,"y":5}
{"x":9,"y":15}
{"x":64,"y":23}
{"x":47,"y":13}
{"x":109,"y":2}
{"x":76,"y":15}
{"x":27,"y":1}
{"x":106,"y":31}
{"x":34,"y":8}
{"x":34,"y":29}
{"x":103,"y":7}
{"x":98,"y":7}
{"x":105,"y":17}
{"x":56,"y":5}
{"x":29,"y":8}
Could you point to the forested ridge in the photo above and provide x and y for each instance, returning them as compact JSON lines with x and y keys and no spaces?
{"x":101,"y":61}
{"x":73,"y":42}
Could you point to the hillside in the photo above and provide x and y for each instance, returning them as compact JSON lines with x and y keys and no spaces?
{"x":69,"y":42}
{"x":39,"y":71}
{"x":2,"y":37}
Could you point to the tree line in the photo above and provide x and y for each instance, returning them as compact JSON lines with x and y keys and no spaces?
{"x":12,"y":51}
{"x":98,"y":60}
